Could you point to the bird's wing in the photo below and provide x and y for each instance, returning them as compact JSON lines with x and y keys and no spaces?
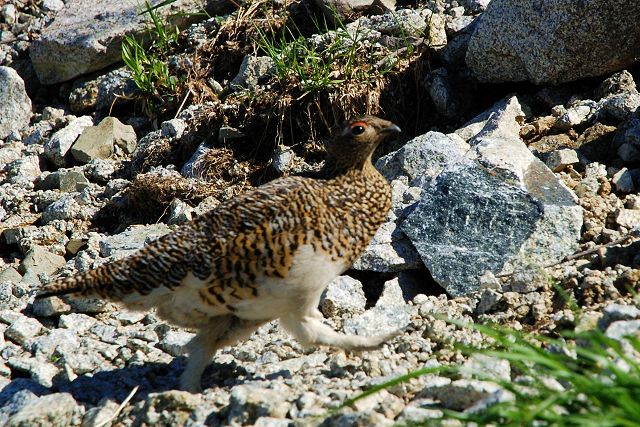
{"x":216,"y":246}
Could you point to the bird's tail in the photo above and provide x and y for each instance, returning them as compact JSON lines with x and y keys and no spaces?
{"x":102,"y":281}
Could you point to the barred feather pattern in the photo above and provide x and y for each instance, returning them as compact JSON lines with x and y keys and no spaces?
{"x":255,"y":235}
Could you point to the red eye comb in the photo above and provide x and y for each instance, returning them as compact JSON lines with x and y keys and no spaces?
{"x":363,"y":124}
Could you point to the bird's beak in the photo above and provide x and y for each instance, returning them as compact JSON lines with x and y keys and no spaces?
{"x":392,"y":128}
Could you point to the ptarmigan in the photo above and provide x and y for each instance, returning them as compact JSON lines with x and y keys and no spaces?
{"x":266,"y":254}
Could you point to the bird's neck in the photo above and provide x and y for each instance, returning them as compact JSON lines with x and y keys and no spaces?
{"x":339,"y":166}
{"x":364,"y":174}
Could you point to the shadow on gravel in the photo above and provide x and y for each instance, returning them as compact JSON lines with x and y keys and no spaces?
{"x":118,"y":383}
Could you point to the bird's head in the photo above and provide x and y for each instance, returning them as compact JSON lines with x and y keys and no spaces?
{"x":353,"y":144}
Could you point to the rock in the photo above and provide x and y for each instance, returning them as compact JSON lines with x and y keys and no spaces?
{"x":411,"y":415}
{"x":39,"y":260}
{"x":100,"y":415}
{"x":249,"y":402}
{"x":576,"y":115}
{"x":344,"y":9}
{"x":112,"y":85}
{"x":77,"y":43}
{"x":10,"y":274}
{"x":476,"y":6}
{"x":15,"y":105}
{"x":23,"y":172}
{"x":529,"y":278}
{"x":14,"y":403}
{"x":23,"y":329}
{"x":458,"y":24}
{"x":77,"y":322}
{"x":629,"y":218}
{"x":179,"y":212}
{"x":191,"y":168}
{"x":272,"y":422}
{"x":623,"y":180}
{"x":67,"y":181}
{"x":475,"y":125}
{"x":40,"y":371}
{"x":629,"y":152}
{"x":173,"y":128}
{"x":425,"y":155}
{"x":52,"y":5}
{"x":499,"y":211}
{"x":622,"y":328}
{"x":283,"y":156}
{"x":134,"y":238}
{"x":65,"y":208}
{"x":229,"y":133}
{"x":462,"y":394}
{"x":9,"y":13}
{"x":57,"y":409}
{"x":615,"y":312}
{"x":381,"y":319}
{"x":72,"y":181}
{"x":401,"y":23}
{"x":391,"y":295}
{"x":100,"y":170}
{"x":174,"y":342}
{"x":442,"y":93}
{"x":10,"y":152}
{"x":98,"y":142}
{"x":486,"y":368}
{"x":618,"y":83}
{"x":50,"y":307}
{"x":629,"y":136}
{"x":129,"y":317}
{"x":521,"y":40}
{"x":169,"y":408}
{"x":344,"y":295}
{"x":357,"y":419}
{"x":252,"y":69}
{"x":60,"y":142}
{"x":59,"y":340}
{"x":558,"y":160}
{"x":621,"y":106}
{"x":388,"y":251}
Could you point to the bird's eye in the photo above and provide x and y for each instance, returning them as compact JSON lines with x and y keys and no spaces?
{"x":357,"y":130}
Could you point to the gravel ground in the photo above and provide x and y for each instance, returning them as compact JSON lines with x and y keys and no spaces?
{"x":77,"y":190}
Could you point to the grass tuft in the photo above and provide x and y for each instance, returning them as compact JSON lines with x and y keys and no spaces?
{"x":149,"y":66}
{"x":584,"y":379}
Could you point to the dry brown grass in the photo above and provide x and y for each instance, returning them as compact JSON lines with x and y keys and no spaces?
{"x":149,"y":194}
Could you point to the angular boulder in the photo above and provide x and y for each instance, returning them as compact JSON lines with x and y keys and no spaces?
{"x":493,"y":207}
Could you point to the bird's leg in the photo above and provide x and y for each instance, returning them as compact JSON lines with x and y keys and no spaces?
{"x":220,"y":332}
{"x":310,"y":330}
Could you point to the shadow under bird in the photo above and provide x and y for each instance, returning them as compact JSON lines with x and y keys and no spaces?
{"x":266,"y":254}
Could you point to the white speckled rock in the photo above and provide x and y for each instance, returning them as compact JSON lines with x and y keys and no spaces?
{"x":549,"y":43}
{"x":343,"y":295}
{"x":15,"y":105}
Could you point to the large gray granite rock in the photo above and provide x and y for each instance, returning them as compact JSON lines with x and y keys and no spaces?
{"x":86,"y":36}
{"x":554,"y":41}
{"x":494,"y":208}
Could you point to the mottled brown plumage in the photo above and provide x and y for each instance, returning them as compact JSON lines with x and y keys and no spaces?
{"x":266,"y":254}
